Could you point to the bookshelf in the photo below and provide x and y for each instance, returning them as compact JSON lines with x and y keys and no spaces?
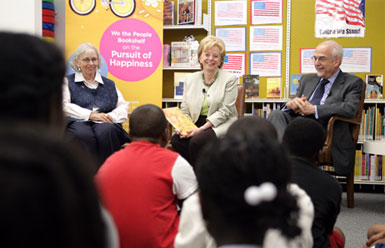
{"x":175,"y":27}
{"x":370,"y":164}
{"x":177,"y":33}
{"x":366,"y":163}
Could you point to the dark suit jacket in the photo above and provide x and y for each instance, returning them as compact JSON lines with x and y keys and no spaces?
{"x":325,"y":193}
{"x":343,"y":100}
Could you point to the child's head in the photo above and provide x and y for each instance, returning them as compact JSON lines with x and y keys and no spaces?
{"x":48,"y":198}
{"x":243,"y":180}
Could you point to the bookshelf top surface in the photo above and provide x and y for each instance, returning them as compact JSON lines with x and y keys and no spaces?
{"x":173,"y":68}
{"x":374,"y":101}
{"x":261,"y":100}
{"x":187,"y":26}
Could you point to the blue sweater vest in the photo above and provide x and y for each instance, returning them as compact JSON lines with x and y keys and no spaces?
{"x":104,"y":96}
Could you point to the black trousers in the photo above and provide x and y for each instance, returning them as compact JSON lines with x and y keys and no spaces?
{"x":100,"y":139}
{"x":189,"y":148}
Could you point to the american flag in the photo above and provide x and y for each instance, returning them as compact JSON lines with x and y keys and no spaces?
{"x":266,"y":8}
{"x":307,"y":57}
{"x":235,"y":11}
{"x":231,"y":35}
{"x":233,"y":62}
{"x":350,"y":11}
{"x":266,"y":35}
{"x":354,"y":57}
{"x":265,"y":61}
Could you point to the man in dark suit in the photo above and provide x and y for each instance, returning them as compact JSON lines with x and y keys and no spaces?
{"x":325,"y":94}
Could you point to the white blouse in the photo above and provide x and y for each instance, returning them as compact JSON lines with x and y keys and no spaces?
{"x":119,"y":114}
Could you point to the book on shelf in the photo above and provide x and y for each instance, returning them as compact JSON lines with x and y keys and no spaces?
{"x":265,"y":110}
{"x":198,"y":12}
{"x":186,"y":12}
{"x":251,"y":84}
{"x":166,"y":55}
{"x":294,"y":83}
{"x":179,"y":120}
{"x":374,"y":85}
{"x":168,"y":12}
{"x":184,"y":54}
{"x":194,"y":60}
{"x":179,"y":81}
{"x":357,"y":165}
{"x":273,"y":88}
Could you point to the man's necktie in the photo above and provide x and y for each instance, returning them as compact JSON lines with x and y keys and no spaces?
{"x":319,"y":92}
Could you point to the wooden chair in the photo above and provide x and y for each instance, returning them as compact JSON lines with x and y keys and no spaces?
{"x":240,"y":102}
{"x":325,"y":157}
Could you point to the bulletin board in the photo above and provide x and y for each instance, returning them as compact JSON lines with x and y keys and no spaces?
{"x":302,"y":35}
{"x":248,"y":52}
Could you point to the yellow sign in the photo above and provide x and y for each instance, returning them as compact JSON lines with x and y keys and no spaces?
{"x":129,"y":36}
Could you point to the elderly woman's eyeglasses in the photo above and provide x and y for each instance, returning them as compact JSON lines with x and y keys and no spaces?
{"x":88,"y":60}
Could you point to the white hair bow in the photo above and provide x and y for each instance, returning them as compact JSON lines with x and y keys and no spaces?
{"x":256,"y":194}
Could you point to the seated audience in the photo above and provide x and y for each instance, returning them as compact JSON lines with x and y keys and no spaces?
{"x":94,"y":106}
{"x":192,"y":231}
{"x":48,"y":198}
{"x":31,"y":83}
{"x":243,"y":180}
{"x":32,"y":103}
{"x":304,"y":138}
{"x":208,"y":100}
{"x":376,"y":236}
{"x":140,"y":184}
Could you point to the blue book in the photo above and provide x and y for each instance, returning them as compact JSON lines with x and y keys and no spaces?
{"x":294,"y":83}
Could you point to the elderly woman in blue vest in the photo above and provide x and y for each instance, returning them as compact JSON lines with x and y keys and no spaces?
{"x":94,"y":106}
{"x":208,"y":100}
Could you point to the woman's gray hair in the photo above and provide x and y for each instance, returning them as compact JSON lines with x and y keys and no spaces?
{"x":83,"y":48}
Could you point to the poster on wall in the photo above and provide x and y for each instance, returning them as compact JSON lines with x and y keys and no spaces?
{"x":234,"y":38}
{"x":265,"y":38}
{"x":266,"y":12}
{"x":339,"y":18}
{"x":235,"y":63}
{"x":266,"y":64}
{"x":230,"y":13}
{"x":356,"y":59}
{"x":128,"y":34}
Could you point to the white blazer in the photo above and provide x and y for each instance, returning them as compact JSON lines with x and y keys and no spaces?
{"x":220,"y":97}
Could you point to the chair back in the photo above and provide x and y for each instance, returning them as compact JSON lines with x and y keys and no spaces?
{"x":325,"y":156}
{"x":355,"y":129}
{"x":240,"y":102}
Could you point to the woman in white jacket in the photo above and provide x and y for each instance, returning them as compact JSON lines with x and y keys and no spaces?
{"x":208,"y":100}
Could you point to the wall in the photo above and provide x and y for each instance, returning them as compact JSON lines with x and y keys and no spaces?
{"x":302,"y":33}
{"x":22,"y":16}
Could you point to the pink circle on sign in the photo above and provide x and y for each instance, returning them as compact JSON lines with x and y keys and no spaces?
{"x":132,"y":49}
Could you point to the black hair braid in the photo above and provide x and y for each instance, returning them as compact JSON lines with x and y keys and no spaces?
{"x":230,"y":165}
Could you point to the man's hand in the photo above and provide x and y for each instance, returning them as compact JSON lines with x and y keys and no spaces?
{"x":300,"y":105}
{"x":308,"y":109}
{"x":297,"y":104}
{"x":101,"y":117}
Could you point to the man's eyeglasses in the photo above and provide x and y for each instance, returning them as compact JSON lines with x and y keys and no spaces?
{"x":88,"y":60}
{"x":320,"y":58}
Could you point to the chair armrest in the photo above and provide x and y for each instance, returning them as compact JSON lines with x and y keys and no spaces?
{"x":329,"y":129}
{"x":325,"y":155}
